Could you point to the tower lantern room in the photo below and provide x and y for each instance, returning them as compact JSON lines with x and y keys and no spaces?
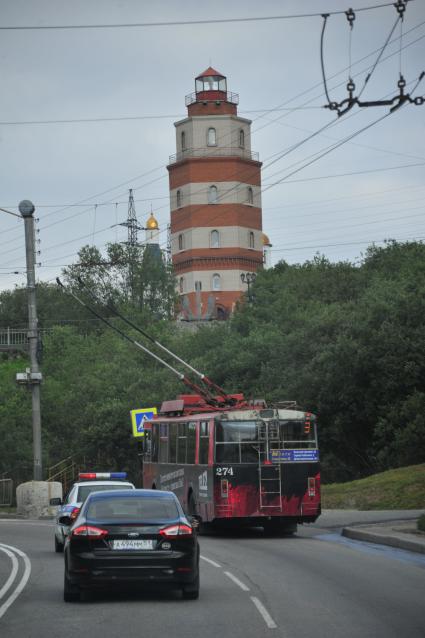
{"x":210,"y":85}
{"x":211,"y":92}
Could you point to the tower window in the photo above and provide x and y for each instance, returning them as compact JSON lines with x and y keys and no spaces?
{"x":215,"y":239}
{"x":198,"y":286}
{"x":181,"y":242}
{"x":212,"y":137}
{"x":251,"y":239}
{"x":183,"y":140}
{"x":181,"y":284}
{"x":250,"y":195}
{"x":179,"y":199}
{"x":242,"y":138}
{"x":216,"y":282}
{"x":212,"y":195}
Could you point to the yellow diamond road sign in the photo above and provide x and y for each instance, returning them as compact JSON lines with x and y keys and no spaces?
{"x":138,"y":418}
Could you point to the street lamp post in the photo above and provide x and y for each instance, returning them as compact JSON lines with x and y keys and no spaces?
{"x":248,"y":279}
{"x":33,"y":378}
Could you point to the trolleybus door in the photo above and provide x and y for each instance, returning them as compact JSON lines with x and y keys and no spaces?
{"x":269,"y":474}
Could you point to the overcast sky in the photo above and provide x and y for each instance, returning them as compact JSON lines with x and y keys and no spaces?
{"x":145,"y":73}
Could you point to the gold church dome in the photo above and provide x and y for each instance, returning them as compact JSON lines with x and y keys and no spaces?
{"x":265,"y":240}
{"x":152,"y":224}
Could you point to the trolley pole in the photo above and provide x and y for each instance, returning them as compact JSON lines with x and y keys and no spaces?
{"x":27,"y":208}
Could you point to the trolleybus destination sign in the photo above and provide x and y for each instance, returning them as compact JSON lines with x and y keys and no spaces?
{"x":294,"y":455}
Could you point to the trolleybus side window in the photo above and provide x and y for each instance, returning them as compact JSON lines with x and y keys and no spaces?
{"x":191,"y":442}
{"x":204,"y":441}
{"x":181,"y":442}
{"x":163,"y":443}
{"x":155,"y":439}
{"x":172,"y":442}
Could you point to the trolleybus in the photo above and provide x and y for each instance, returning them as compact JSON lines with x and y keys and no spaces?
{"x":245,"y":465}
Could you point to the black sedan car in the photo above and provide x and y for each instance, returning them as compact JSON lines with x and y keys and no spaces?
{"x":131,"y":537}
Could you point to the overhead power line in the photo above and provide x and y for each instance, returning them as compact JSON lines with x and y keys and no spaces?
{"x":179,"y":23}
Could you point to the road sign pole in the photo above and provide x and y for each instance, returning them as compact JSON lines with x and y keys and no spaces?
{"x":26,"y":208}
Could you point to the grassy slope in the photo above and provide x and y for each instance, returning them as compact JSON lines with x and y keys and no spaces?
{"x":403,"y":488}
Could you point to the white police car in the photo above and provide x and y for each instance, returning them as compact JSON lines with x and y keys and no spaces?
{"x":88,"y":482}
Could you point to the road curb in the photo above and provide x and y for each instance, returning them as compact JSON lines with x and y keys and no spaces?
{"x":397,"y":541}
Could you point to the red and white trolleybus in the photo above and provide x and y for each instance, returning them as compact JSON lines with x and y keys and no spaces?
{"x":247,"y":464}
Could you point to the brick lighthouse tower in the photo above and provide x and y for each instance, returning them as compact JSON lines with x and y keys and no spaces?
{"x":215,"y":198}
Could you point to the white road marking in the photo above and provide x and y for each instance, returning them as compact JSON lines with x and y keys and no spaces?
{"x":238,"y":582}
{"x":13,"y":573}
{"x":27,"y":571}
{"x":212,"y":562}
{"x":24,"y":522}
{"x":265,"y":614}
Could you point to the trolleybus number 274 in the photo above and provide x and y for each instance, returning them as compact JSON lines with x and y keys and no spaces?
{"x":224,"y":471}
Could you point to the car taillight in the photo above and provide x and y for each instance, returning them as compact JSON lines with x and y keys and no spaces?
{"x":176,"y":530}
{"x":74,"y":513}
{"x":89,"y":531}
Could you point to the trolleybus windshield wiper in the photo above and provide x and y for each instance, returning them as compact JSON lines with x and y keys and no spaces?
{"x":205,"y":393}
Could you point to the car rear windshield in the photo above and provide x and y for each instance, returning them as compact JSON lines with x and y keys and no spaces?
{"x":85,"y":490}
{"x":132,"y":509}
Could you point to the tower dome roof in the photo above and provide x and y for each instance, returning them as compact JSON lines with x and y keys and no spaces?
{"x":208,"y":72}
{"x":152,"y":224}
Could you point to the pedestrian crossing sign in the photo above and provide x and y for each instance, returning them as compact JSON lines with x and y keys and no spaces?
{"x":138,"y":419}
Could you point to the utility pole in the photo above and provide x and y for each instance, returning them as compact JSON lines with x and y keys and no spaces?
{"x":33,"y":376}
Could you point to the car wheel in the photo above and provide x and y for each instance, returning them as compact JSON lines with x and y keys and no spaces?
{"x":71,"y":593}
{"x":191,"y":592}
{"x":58,"y":546}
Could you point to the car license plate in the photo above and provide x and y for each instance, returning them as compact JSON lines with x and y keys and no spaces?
{"x":132,"y":544}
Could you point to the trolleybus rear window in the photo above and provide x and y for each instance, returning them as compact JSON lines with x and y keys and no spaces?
{"x":240,"y":441}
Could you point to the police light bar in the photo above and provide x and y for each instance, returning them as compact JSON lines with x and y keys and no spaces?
{"x":102,"y":475}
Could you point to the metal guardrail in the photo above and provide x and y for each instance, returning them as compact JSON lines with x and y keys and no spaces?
{"x":6,"y":492}
{"x":12,"y":338}
{"x":65,"y":472}
{"x":214,"y":151}
{"x":191,"y":98}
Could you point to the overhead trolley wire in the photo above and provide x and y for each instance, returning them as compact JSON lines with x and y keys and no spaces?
{"x":177,"y":23}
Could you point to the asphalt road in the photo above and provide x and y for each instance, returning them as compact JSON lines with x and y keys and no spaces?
{"x":316,"y":584}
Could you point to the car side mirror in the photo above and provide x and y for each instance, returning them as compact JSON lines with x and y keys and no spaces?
{"x":65,"y":520}
{"x":55,"y":501}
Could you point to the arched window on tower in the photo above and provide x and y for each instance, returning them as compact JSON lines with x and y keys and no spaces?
{"x":181,"y":284}
{"x":250,"y":195}
{"x":212,"y":195}
{"x":212,"y":137}
{"x":216,"y":282}
{"x":183,"y":140}
{"x":179,"y":199}
{"x":242,"y":138}
{"x":215,"y":239}
{"x":181,"y":242}
{"x":251,"y":239}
